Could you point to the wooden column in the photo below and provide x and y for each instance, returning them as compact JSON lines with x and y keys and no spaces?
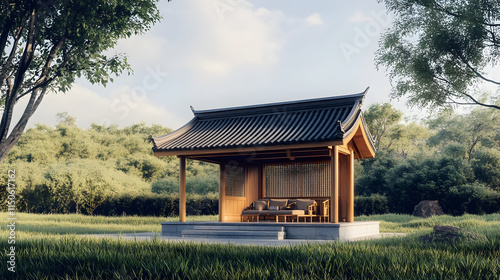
{"x":350,"y":193}
{"x":222,"y":190}
{"x":182,"y":189}
{"x":334,"y":194}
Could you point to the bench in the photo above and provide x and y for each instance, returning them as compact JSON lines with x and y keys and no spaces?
{"x":280,"y":208}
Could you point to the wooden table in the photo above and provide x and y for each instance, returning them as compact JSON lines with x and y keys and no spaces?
{"x":248,"y":217}
{"x":305,"y":217}
{"x":285,"y":216}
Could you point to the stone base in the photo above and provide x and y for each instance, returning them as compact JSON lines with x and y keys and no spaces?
{"x":305,"y":231}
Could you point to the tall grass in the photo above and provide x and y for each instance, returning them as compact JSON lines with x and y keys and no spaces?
{"x":44,"y":255}
{"x":71,"y":257}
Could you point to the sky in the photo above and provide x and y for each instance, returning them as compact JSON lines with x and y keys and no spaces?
{"x":224,"y":53}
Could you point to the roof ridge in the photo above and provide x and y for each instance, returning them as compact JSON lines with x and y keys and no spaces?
{"x":267,"y":108}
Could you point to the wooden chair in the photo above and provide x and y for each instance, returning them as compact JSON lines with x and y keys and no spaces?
{"x":326,"y":211}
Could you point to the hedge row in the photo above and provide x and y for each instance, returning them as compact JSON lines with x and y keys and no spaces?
{"x":207,"y":205}
{"x":370,"y":205}
{"x":158,"y":205}
{"x":168,"y":205}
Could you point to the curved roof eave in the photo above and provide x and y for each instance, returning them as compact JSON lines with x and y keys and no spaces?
{"x":347,"y":110}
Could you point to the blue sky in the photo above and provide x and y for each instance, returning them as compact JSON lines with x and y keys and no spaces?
{"x":222,"y":53}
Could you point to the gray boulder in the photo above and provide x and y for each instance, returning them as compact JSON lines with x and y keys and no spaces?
{"x":427,"y":208}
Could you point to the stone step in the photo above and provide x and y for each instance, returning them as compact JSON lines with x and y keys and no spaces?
{"x":239,"y":228}
{"x":272,"y":235}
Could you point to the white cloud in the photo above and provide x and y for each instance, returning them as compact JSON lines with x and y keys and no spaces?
{"x":360,"y":17}
{"x":123,"y":108}
{"x":226,"y":39}
{"x":314,"y":19}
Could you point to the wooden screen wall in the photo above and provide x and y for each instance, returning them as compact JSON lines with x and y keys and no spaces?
{"x":235,"y":181}
{"x":298,"y":179}
{"x":234,"y":199}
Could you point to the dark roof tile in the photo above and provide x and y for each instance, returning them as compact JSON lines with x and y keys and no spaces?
{"x":305,"y":121}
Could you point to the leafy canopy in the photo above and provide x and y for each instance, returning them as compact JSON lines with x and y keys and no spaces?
{"x":46,"y":45}
{"x":438,"y":52}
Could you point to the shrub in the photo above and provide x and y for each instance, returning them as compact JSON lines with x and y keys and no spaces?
{"x":200,"y":184}
{"x":427,"y":179}
{"x":486,"y":166}
{"x":159,"y":205}
{"x":473,"y":198}
{"x":168,"y":185}
{"x":370,"y":205}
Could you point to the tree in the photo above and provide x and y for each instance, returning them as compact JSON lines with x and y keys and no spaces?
{"x":45,"y":45}
{"x":379,"y":117}
{"x":437,"y":51}
{"x":470,"y":130}
{"x":65,"y":119}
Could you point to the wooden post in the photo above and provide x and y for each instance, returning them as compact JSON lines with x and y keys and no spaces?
{"x":182,"y":189}
{"x":334,"y":195}
{"x":350,"y":192}
{"x":222,"y":190}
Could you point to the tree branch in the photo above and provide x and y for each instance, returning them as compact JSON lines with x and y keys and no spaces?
{"x":477,"y":73}
{"x":480,"y":103}
{"x":450,"y":13}
{"x":6,"y":65}
{"x":474,"y":101}
{"x":24,"y":63}
{"x":31,"y":107}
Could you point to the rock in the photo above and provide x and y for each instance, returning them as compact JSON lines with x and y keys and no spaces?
{"x":427,"y":208}
{"x":449,"y":234}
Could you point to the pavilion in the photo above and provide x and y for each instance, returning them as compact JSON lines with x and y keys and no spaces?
{"x":295,"y":149}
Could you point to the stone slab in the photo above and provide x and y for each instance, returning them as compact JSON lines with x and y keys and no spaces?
{"x":303,"y":231}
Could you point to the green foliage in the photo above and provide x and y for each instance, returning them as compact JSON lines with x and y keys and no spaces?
{"x":486,"y":166}
{"x":428,"y":179}
{"x":168,"y":185}
{"x":200,"y":184}
{"x":437,"y":52}
{"x":370,"y":205}
{"x":379,"y":118}
{"x":46,"y":45}
{"x":453,"y":158}
{"x":141,"y":164}
{"x":68,"y":169}
{"x":477,"y":128}
{"x":158,"y":205}
{"x":474,"y":198}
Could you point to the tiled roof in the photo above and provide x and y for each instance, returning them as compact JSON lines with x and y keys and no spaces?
{"x":304,"y":121}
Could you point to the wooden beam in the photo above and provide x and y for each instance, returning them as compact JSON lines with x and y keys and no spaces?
{"x":243,"y":150}
{"x":344,"y":150}
{"x":350,"y":193}
{"x":182,"y":189}
{"x":334,"y":195}
{"x":222,"y":190}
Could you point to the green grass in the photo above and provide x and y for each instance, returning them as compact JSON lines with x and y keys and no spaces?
{"x":81,"y":224}
{"x":486,"y":224}
{"x":44,"y":255}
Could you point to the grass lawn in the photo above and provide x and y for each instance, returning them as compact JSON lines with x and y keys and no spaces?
{"x":42,"y":252}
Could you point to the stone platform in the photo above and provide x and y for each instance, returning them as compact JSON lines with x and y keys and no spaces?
{"x":273,"y":231}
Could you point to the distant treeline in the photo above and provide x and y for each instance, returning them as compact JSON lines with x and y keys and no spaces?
{"x":108,"y":170}
{"x":67,"y":169}
{"x":453,"y":158}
